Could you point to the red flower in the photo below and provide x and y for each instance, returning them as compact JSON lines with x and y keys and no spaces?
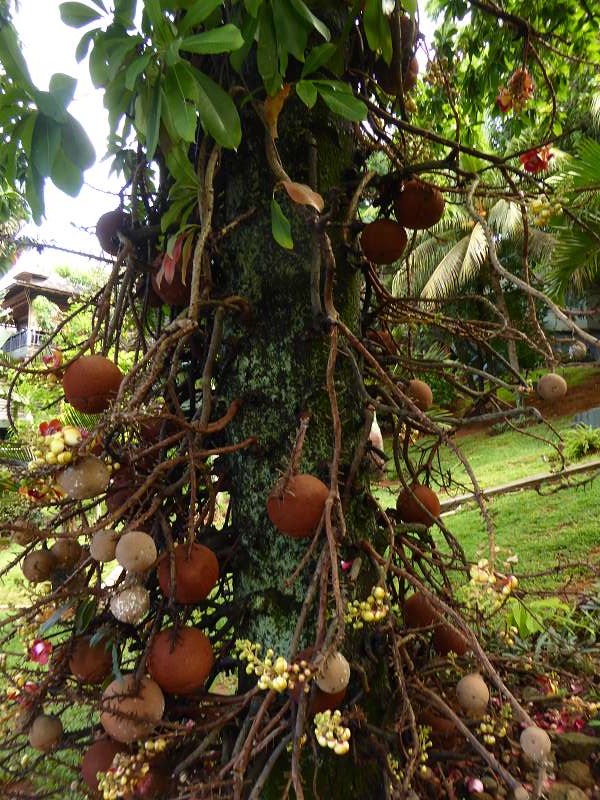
{"x":53,"y":361}
{"x":504,"y":100}
{"x":48,"y":428}
{"x":40,"y":651}
{"x":536,"y":160}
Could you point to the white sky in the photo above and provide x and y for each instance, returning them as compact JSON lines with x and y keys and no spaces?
{"x":49,"y":47}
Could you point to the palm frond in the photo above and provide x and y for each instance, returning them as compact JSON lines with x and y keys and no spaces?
{"x":504,"y":218}
{"x":541,"y":244}
{"x":595,"y":111}
{"x":459,"y":266}
{"x":585,"y":167}
{"x":575,"y":260}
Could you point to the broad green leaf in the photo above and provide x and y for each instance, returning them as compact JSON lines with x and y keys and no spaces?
{"x":343,"y":103}
{"x":377,"y":28}
{"x":135,"y":69}
{"x":62,"y":87}
{"x":153,"y":119}
{"x":86,"y":611}
{"x":65,"y":175}
{"x":34,"y":193}
{"x":307,"y":92}
{"x":305,"y":12}
{"x":280,"y":226}
{"x":317,"y":58}
{"x":24,"y":131}
{"x":267,"y":58}
{"x":154,"y":13}
{"x":253,"y":7}
{"x":125,"y":12}
{"x":49,"y":105}
{"x":290,"y":29}
{"x":44,"y":144}
{"x":181,"y":111}
{"x":77,"y":15}
{"x":248,"y":31}
{"x":98,"y":64}
{"x":218,"y":113}
{"x":200,"y":11}
{"x":218,"y":40}
{"x":77,"y":144}
{"x":171,"y":55}
{"x":84,"y":44}
{"x":11,"y":56}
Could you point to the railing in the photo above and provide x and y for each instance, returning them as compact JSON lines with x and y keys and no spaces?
{"x":21,"y":340}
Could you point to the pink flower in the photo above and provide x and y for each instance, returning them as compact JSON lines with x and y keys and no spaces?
{"x":40,"y":651}
{"x":346,"y":565}
{"x":474,"y":785}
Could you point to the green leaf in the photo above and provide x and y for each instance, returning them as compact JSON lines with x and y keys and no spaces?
{"x":153,"y":119}
{"x":410,"y":6}
{"x":54,"y":618}
{"x":267,"y":58}
{"x":86,"y":611}
{"x":280,"y":226}
{"x":154,"y":13}
{"x":77,"y":15}
{"x":218,"y":113}
{"x":305,"y":12}
{"x":11,"y":56}
{"x":45,"y":143}
{"x":34,"y":193}
{"x":77,"y":144}
{"x":253,"y":7}
{"x":49,"y":105}
{"x":248,"y":31}
{"x":125,"y":12}
{"x":377,"y":28}
{"x":200,"y":11}
{"x":84,"y":44}
{"x":307,"y":92}
{"x":62,"y":87}
{"x":181,"y":110}
{"x":343,"y":102}
{"x":24,"y":131}
{"x":65,"y":175}
{"x":135,"y":69}
{"x":218,"y":40}
{"x":317,"y":58}
{"x":290,"y":29}
{"x":99,"y":68}
{"x":171,"y":55}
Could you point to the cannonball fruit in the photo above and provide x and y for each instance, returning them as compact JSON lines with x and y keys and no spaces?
{"x":91,"y":383}
{"x":131,"y":709}
{"x":295,"y":507}
{"x":45,"y":733}
{"x":86,"y":478}
{"x":196,"y":573}
{"x":447,"y":639}
{"x":108,"y":227}
{"x":103,"y":545}
{"x":38,"y":565}
{"x":411,"y":501}
{"x":420,"y":393}
{"x":98,"y":758}
{"x":334,"y":674}
{"x":535,"y":743}
{"x":90,"y":663}
{"x":67,"y":552}
{"x":383,"y":241}
{"x":418,"y":611}
{"x":418,"y":205}
{"x":136,"y":551}
{"x":130,"y":605}
{"x":180,"y":661}
{"x":551,"y":387}
{"x":472,"y":694}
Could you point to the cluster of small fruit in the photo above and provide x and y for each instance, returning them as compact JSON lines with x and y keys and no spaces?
{"x":517,"y":93}
{"x":373,"y":609}
{"x":329,"y":732}
{"x":129,"y":771}
{"x":273,"y":671}
{"x":486,"y":593}
{"x":55,"y":444}
{"x":424,"y":732}
{"x":541,"y":211}
{"x":492,"y":729}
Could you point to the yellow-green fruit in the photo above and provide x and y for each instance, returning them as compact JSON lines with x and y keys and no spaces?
{"x":45,"y":733}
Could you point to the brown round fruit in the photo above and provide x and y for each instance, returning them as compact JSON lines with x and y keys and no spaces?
{"x":136,"y":551}
{"x":196,"y":574}
{"x":86,"y":478}
{"x":447,"y":639}
{"x":411,"y":75}
{"x":131,"y":709}
{"x":296,"y":508}
{"x":420,"y":393}
{"x":91,"y":383}
{"x":551,"y":387}
{"x":418,"y":611}
{"x":23,"y":533}
{"x":472,"y":694}
{"x":383,"y":241}
{"x":98,"y":758}
{"x":90,"y":663}
{"x":109,"y":226}
{"x":38,"y":565}
{"x":103,"y":545}
{"x":411,"y":501}
{"x":180,"y":663}
{"x":67,"y":552}
{"x":334,"y":674}
{"x":45,"y":733}
{"x":419,"y":205}
{"x":176,"y":293}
